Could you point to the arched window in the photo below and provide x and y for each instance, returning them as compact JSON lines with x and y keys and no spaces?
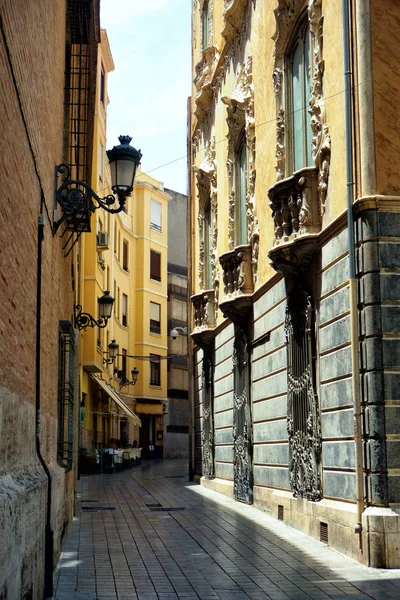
{"x":299,"y":64}
{"x":241,"y":191}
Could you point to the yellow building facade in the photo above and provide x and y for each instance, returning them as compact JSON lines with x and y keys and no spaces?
{"x":293,"y":265}
{"x":126,"y":255}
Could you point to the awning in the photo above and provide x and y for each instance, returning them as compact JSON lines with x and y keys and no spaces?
{"x":113,"y":394}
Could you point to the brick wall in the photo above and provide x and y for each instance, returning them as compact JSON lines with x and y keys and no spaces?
{"x":32,"y":52}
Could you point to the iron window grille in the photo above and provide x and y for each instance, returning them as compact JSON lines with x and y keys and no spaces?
{"x":65,"y":394}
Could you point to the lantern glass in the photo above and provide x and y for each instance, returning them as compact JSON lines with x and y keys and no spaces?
{"x":135,"y":375}
{"x":112,"y":349}
{"x":105,"y":306}
{"x":122,"y":175}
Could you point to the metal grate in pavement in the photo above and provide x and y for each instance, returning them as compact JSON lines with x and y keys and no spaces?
{"x":166,"y":509}
{"x":97,"y":508}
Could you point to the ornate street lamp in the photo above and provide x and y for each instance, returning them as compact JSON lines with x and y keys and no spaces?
{"x":112,"y":353}
{"x":78,"y":200}
{"x":84,"y":320}
{"x":125,"y":381}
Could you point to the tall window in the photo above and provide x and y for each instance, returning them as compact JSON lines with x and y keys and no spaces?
{"x":205,"y":32}
{"x":155,"y":218}
{"x":65,"y":394}
{"x":300,"y":93}
{"x":241,"y":192}
{"x":125,"y":249}
{"x":155,"y":265}
{"x":123,"y":361}
{"x":207,"y":245}
{"x":101,"y":160}
{"x":155,"y":317}
{"x":124,"y":310}
{"x":115,"y":238}
{"x":155,"y":369}
{"x":102,"y":85}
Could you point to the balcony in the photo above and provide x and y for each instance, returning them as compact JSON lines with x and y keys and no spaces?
{"x":297,"y":221}
{"x":203,"y":80}
{"x":233,"y":16}
{"x":204,"y":318}
{"x":238,"y":283}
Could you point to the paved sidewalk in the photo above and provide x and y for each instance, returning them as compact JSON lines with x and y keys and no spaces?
{"x":162,"y":537}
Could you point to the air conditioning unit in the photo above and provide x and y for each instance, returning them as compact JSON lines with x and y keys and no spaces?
{"x":102,"y":239}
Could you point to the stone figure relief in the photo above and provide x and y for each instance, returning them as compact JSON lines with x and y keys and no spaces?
{"x":240,"y":118}
{"x":207,"y":191}
{"x":286,"y":15}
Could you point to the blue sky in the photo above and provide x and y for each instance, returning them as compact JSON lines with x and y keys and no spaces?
{"x":150,"y":44}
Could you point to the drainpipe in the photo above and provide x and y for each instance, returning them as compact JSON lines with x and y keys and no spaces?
{"x":48,"y":543}
{"x":352,"y":275}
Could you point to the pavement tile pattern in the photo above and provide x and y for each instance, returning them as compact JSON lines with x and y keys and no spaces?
{"x":149,"y":534}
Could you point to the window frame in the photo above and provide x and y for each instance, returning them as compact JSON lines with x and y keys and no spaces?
{"x":125,"y":255}
{"x":208,"y":235}
{"x":153,"y":225}
{"x":205,"y":26}
{"x":124,"y":311}
{"x":241,"y":221}
{"x":155,"y":370}
{"x":154,"y":276}
{"x":155,"y":325}
{"x":298,"y":39}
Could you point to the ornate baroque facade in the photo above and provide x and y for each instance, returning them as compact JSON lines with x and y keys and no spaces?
{"x":295,"y":405}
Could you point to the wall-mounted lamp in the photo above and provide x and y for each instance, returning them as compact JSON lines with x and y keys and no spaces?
{"x":84,"y":320}
{"x":125,"y":381}
{"x":178,"y":330}
{"x":112,"y":353}
{"x":77,"y":199}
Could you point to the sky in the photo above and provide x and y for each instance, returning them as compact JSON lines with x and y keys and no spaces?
{"x":148,"y":90}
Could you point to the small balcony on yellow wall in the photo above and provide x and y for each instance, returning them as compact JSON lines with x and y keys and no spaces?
{"x":238,"y":283}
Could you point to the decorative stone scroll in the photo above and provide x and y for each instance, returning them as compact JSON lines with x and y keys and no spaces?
{"x":207,"y":192}
{"x":240,"y":119}
{"x":303,"y":420}
{"x":286,"y":15}
{"x":232,"y":14}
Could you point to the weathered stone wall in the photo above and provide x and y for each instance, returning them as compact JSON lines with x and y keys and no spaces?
{"x":32,"y":56}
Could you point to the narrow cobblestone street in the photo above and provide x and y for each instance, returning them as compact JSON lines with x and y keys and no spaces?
{"x":149,"y":533}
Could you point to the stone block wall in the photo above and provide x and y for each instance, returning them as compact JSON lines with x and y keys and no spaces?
{"x":335,"y":371}
{"x":269,"y":391}
{"x":378,"y":263}
{"x":223,"y":404}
